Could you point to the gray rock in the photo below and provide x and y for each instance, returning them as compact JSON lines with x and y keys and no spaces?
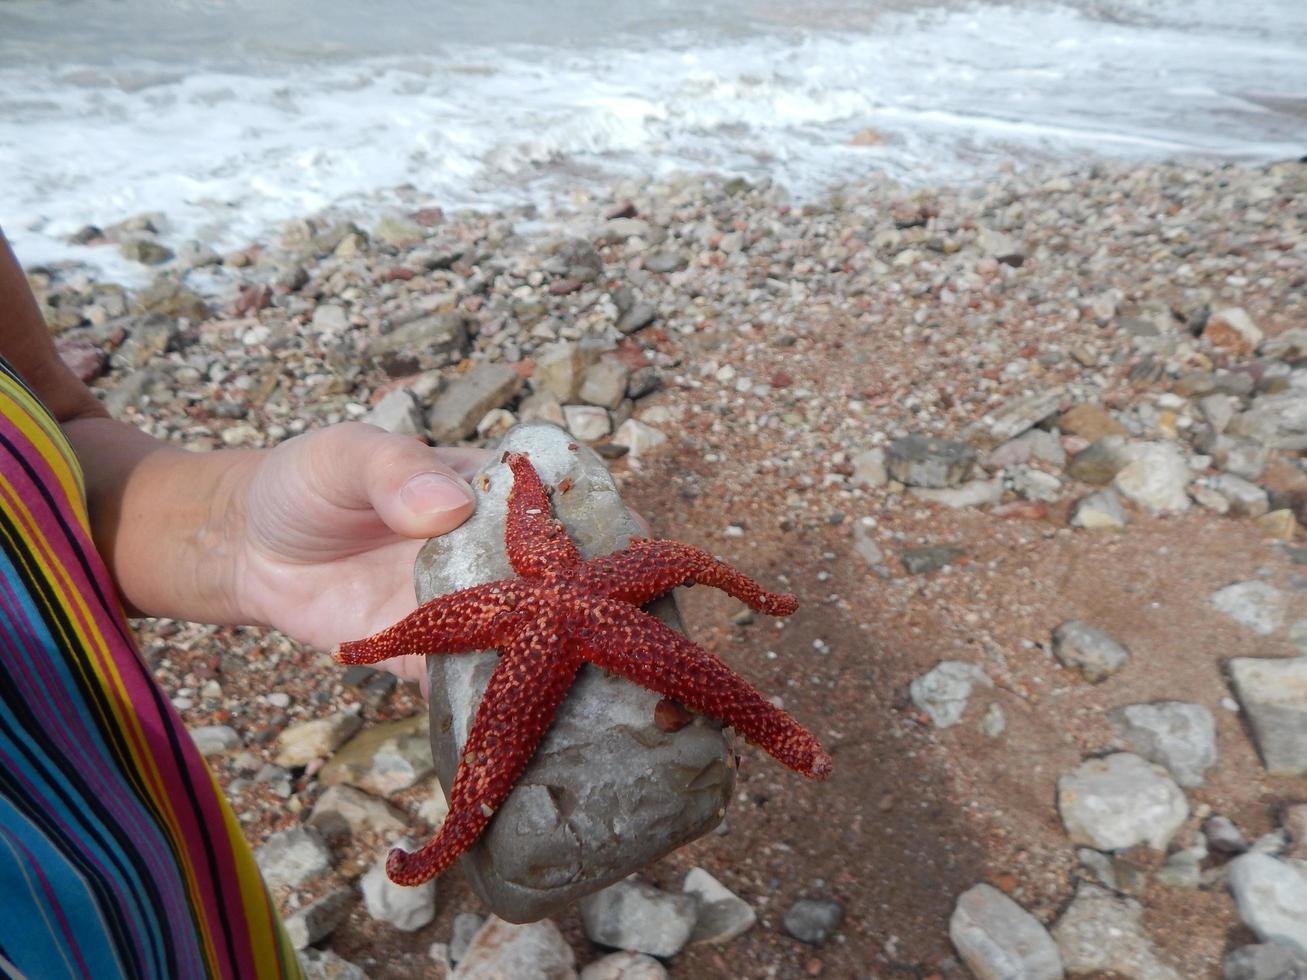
{"x":869,"y":468}
{"x":1218,"y":410}
{"x":1079,"y":646}
{"x":1276,"y":421}
{"x":1101,"y":511}
{"x":636,"y":318}
{"x":643,"y":381}
{"x":1272,"y":898}
{"x":215,"y":739}
{"x":569,"y":827}
{"x":1100,"y":462}
{"x":383,"y":759}
{"x":812,"y":920}
{"x":974,"y":493}
{"x":1179,"y":736}
{"x":145,"y":251}
{"x":925,"y":461}
{"x":722,"y":915}
{"x":457,"y":410}
{"x":1183,"y":869}
{"x":1264,"y":961}
{"x":942,"y":692}
{"x":503,"y":951}
{"x":1035,"y":484}
{"x":317,"y":738}
{"x":587,"y":422}
{"x":405,"y":907}
{"x":1243,"y":498}
{"x":147,"y":337}
{"x":466,"y":927}
{"x":1015,"y":417}
{"x":605,"y":383}
{"x":293,"y":857}
{"x":1156,"y":478}
{"x":930,"y":558}
{"x":1223,"y":837}
{"x":344,"y":810}
{"x":1239,"y":456}
{"x":1273,"y":694}
{"x":664,"y":262}
{"x":864,"y":543}
{"x":398,"y":411}
{"x":625,"y":966}
{"x":560,"y":369}
{"x":170,"y":298}
{"x":999,"y":940}
{"x":993,"y":722}
{"x":318,"y":920}
{"x":1119,"y":801}
{"x":638,"y":437}
{"x":1256,"y":605}
{"x":1100,"y":933}
{"x":323,"y":964}
{"x":637,"y":917}
{"x":1100,"y":866}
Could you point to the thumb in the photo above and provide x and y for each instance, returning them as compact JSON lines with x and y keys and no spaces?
{"x":414,"y":492}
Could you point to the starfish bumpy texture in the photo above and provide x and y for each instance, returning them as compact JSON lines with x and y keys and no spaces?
{"x":561,"y":612}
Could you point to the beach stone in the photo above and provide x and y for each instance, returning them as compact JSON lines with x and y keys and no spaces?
{"x":169,"y":298}
{"x":999,"y":940}
{"x":1223,"y":837}
{"x":587,"y":422}
{"x":422,"y":344}
{"x":1119,"y":801}
{"x":625,"y":966}
{"x":344,"y":810}
{"x":943,"y":691}
{"x":457,"y":410}
{"x":1100,"y":511}
{"x":1182,"y":869}
{"x":812,"y":920}
{"x":317,"y":738}
{"x":330,"y":318}
{"x":145,"y":251}
{"x":397,"y":231}
{"x":399,"y":412}
{"x":1275,"y":421}
{"x":560,"y":369}
{"x":1016,"y":416}
{"x":1156,"y":478}
{"x":503,"y":951}
{"x":293,"y":857}
{"x":1174,"y":734}
{"x":465,"y":928}
{"x":975,"y":493}
{"x":148,"y":337}
{"x":1242,"y":457}
{"x":930,"y":558}
{"x":643,"y":381}
{"x":607,"y":791}
{"x":1232,"y":330}
{"x":1273,"y":694}
{"x":638,"y":437}
{"x":1033,"y":484}
{"x":1088,"y":649}
{"x":722,"y":915}
{"x":1100,"y":462}
{"x":495,"y":423}
{"x":1101,"y":933}
{"x":1256,"y":605}
{"x":1264,"y":961}
{"x":605,"y":383}
{"x":385,"y":759}
{"x":640,"y":315}
{"x":1218,"y":410}
{"x":406,"y":907}
{"x":640,"y":918}
{"x":925,"y":461}
{"x":1092,"y":422}
{"x":1271,"y":895}
{"x":869,"y":468}
{"x":664,"y":262}
{"x":323,"y":964}
{"x":1244,"y":498}
{"x":215,"y":739}
{"x":318,"y":920}
{"x":1281,"y":525}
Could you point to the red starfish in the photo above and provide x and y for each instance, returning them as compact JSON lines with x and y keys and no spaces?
{"x":562,"y":612}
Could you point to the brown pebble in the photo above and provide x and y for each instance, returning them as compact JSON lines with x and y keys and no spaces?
{"x":671,"y":716}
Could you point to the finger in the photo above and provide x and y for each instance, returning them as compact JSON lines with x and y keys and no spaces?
{"x":414,"y":492}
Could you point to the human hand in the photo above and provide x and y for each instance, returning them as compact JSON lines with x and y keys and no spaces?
{"x":330,"y":524}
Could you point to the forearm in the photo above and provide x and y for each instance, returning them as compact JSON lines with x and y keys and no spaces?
{"x":165,"y":520}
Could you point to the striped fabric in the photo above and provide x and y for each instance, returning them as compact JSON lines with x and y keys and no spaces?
{"x":119,"y":856}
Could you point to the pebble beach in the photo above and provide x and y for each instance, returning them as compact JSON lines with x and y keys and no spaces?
{"x":1030,"y":452}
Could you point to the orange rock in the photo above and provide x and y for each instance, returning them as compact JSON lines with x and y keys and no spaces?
{"x":1091,"y":422}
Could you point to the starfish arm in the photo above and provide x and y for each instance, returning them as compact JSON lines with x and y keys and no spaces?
{"x":530,"y":681}
{"x":649,"y":568}
{"x":461,"y":622}
{"x":534,"y":539}
{"x":631,"y":643}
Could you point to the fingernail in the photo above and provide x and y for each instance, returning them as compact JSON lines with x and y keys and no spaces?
{"x":433,"y":493}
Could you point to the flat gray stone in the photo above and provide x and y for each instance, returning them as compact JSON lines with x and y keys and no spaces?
{"x":1101,"y":933}
{"x":323,"y":964}
{"x":1099,"y":463}
{"x":926,"y":461}
{"x":293,"y":857}
{"x":1273,"y":693}
{"x":973,"y":493}
{"x":607,"y":791}
{"x":504,"y":951}
{"x":1100,"y":511}
{"x":1264,"y":961}
{"x":943,"y":691}
{"x":1256,"y":605}
{"x":1119,"y":801}
{"x":398,"y":412}
{"x":1088,"y":649}
{"x":1272,"y":898}
{"x":1016,"y":416}
{"x":343,"y":810}
{"x":1174,"y":734}
{"x":812,"y":920}
{"x":405,"y":907}
{"x":457,"y":410}
{"x":1156,"y":478}
{"x":625,"y":966}
{"x":318,"y":920}
{"x":605,"y":383}
{"x":722,"y":915}
{"x":424,"y":343}
{"x":639,"y":918}
{"x":215,"y":739}
{"x":999,"y":940}
{"x":466,"y":926}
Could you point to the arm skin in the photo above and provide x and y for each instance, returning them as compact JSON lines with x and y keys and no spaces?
{"x":315,"y":537}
